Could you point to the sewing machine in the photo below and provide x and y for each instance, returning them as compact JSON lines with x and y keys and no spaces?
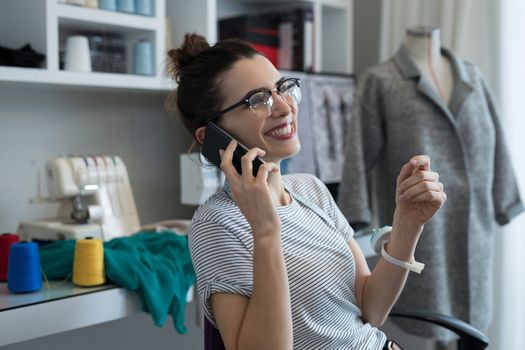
{"x":94,"y":196}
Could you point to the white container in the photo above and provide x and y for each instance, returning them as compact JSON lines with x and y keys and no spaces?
{"x":77,"y":57}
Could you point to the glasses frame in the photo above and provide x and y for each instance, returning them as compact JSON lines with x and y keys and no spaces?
{"x":246,"y":99}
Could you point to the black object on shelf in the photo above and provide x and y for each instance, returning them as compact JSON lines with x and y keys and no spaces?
{"x":23,"y":57}
{"x":260,"y":31}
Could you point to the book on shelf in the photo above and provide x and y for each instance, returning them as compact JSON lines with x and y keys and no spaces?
{"x":260,"y":31}
{"x":286,"y":38}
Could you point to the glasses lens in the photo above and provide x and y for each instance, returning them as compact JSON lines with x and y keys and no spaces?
{"x":261,"y":103}
{"x":291,"y":91}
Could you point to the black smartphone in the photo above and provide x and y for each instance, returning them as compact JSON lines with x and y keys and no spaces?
{"x":217,"y":138}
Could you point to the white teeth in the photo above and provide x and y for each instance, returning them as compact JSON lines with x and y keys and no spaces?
{"x":282,"y":131}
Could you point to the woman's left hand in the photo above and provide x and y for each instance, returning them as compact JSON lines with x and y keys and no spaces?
{"x":419,"y":194}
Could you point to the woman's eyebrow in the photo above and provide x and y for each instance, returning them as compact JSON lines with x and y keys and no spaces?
{"x":281,"y":79}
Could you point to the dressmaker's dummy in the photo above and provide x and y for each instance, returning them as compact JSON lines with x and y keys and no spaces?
{"x":424,"y":46}
{"x":427,"y":100}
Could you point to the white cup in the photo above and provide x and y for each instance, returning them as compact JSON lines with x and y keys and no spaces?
{"x":77,"y":57}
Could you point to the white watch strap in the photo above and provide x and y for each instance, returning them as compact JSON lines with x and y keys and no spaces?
{"x":413,"y":265}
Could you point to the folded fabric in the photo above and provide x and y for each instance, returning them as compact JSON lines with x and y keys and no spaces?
{"x":155,"y":265}
{"x":23,"y":57}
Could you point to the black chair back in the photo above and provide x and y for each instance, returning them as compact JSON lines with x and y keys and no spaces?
{"x":212,"y":337}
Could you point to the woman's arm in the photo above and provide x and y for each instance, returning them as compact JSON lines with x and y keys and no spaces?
{"x":263,"y":321}
{"x":419,"y":196}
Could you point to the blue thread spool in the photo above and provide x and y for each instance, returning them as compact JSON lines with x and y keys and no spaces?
{"x":144,"y":7}
{"x":143,"y":58}
{"x":110,"y":5}
{"x":23,"y":273}
{"x":126,"y":6}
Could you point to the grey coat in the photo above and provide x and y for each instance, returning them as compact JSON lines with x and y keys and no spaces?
{"x":397,"y":114}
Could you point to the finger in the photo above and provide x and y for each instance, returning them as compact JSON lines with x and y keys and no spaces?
{"x":404,"y":174}
{"x":421,"y":162}
{"x":421,"y":187}
{"x":264,"y":171}
{"x":417,"y":177}
{"x":431,"y":196}
{"x":247,"y":159}
{"x":226,"y":161}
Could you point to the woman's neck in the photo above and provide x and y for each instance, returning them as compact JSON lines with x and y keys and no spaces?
{"x":424,"y":44}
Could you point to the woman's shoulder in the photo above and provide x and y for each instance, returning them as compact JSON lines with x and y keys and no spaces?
{"x":219,"y":213}
{"x":307,"y":186}
{"x":216,"y":208}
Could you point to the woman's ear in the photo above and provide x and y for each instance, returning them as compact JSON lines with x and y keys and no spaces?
{"x":199,"y":134}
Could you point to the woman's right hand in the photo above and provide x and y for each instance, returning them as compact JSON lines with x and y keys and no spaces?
{"x":252,"y":194}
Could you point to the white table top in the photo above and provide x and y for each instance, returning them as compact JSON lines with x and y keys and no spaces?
{"x":52,"y":292}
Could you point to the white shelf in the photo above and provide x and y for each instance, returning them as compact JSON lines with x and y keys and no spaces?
{"x":332,"y":43}
{"x":335,"y":3}
{"x":61,"y":20}
{"x":97,"y":17}
{"x":101,"y":80}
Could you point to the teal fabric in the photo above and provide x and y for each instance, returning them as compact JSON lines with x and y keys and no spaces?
{"x":155,"y":265}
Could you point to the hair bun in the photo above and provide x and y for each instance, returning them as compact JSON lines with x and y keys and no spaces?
{"x":192,"y":46}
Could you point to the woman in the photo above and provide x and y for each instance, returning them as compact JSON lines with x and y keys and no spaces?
{"x":276,"y":262}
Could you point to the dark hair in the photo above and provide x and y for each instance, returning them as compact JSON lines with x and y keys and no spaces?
{"x":197,"y":68}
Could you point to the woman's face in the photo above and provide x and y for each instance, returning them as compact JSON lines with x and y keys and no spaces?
{"x":276,"y":134}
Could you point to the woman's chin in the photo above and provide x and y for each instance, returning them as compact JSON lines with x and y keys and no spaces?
{"x":283,"y":154}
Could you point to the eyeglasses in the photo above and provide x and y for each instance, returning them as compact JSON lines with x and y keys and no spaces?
{"x":261,"y":101}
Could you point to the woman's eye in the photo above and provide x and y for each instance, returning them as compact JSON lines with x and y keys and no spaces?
{"x":258,"y":99}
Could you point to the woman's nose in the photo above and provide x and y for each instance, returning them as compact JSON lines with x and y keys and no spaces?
{"x":280,"y":105}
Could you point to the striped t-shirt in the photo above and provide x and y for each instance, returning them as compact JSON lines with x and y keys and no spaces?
{"x":319,"y":263}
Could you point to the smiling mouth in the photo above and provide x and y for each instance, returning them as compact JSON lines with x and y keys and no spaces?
{"x":286,"y":130}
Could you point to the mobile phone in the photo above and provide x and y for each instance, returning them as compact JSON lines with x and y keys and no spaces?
{"x":217,"y":138}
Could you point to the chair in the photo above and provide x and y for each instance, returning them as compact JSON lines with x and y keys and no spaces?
{"x":469,"y":337}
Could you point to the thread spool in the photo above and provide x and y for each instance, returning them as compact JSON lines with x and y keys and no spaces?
{"x":88,"y":263}
{"x":126,"y":6}
{"x":6,"y":240}
{"x":23,"y":273}
{"x":110,"y":5}
{"x":143,"y":58}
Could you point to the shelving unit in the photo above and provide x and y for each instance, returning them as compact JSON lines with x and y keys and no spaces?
{"x":46,"y":32}
{"x":332,"y":24}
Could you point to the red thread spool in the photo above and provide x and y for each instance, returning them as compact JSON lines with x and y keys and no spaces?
{"x":6,"y":240}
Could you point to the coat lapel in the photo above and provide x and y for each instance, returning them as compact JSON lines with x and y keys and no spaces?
{"x":460,"y":91}
{"x":462,"y":86}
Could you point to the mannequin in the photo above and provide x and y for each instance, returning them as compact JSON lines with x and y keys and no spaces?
{"x":424,"y":45}
{"x":428,"y":100}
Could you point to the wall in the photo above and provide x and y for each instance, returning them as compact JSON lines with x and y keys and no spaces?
{"x":37,"y":123}
{"x":367,"y":24}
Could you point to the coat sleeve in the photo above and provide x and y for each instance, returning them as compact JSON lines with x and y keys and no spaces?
{"x":364,"y":143}
{"x":505,"y":191}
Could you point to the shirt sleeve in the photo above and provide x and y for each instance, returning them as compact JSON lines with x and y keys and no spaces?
{"x":222,"y":262}
{"x":505,"y":191}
